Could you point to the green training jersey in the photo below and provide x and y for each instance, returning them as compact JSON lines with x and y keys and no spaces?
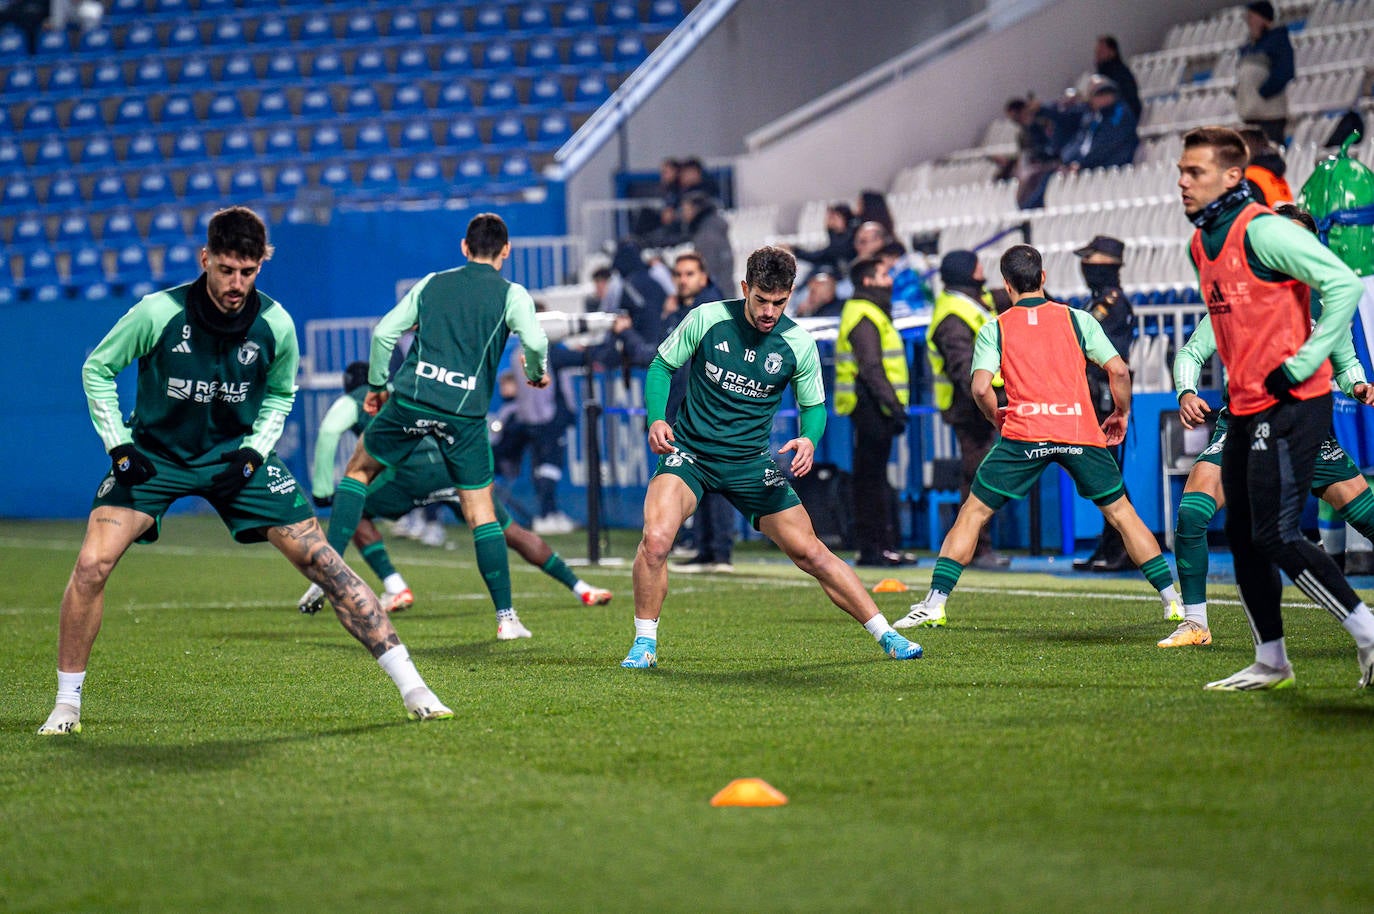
{"x":199,"y":394}
{"x":346,"y":414}
{"x":462,"y":319}
{"x":736,"y":378}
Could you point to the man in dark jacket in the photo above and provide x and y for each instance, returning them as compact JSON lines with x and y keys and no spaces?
{"x":1107,"y":135}
{"x":1263,"y":73}
{"x":1107,"y":56}
{"x":709,"y":234}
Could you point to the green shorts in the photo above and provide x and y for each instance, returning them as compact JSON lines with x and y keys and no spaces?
{"x":272,"y":497}
{"x":416,"y":484}
{"x":398,"y":429}
{"x":756,"y":487}
{"x":1016,"y":465}
{"x":1333,"y":463}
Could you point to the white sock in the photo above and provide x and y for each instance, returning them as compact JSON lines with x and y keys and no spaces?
{"x":1272,"y":653}
{"x":1170,"y":595}
{"x":394,"y":583}
{"x":935,"y":598}
{"x":878,"y":626}
{"x":69,"y":688}
{"x":581,"y":587}
{"x":1195,"y":612}
{"x":398,"y":665}
{"x":1360,"y":624}
{"x":506,"y":615}
{"x":646,"y":628}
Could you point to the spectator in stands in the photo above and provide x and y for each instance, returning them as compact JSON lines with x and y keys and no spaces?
{"x":909,"y":291}
{"x":669,"y":190}
{"x":692,"y":176}
{"x":1039,"y":145}
{"x":709,"y":235}
{"x":1263,"y":73}
{"x":872,"y":388}
{"x":821,"y":300}
{"x":1107,"y":56}
{"x":634,"y":291}
{"x":601,"y":282}
{"x":1265,"y":173}
{"x":1107,"y":135}
{"x":873,"y":208}
{"x":961,"y":310}
{"x":28,"y":16}
{"x":839,"y":247}
{"x":692,"y":285}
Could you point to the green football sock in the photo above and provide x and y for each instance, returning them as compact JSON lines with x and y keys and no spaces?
{"x":558,"y":569}
{"x":1359,"y":513}
{"x":1156,"y":571}
{"x":1195,"y":512}
{"x":378,"y":560}
{"x":492,"y":562}
{"x":349,"y":498}
{"x":946,"y":575}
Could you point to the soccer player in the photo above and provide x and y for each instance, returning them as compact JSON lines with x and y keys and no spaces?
{"x":742,"y":354}
{"x":421,"y":480}
{"x":1256,"y":270}
{"x":1335,"y":479}
{"x":216,"y":379}
{"x":1042,"y":349}
{"x":462,"y":319}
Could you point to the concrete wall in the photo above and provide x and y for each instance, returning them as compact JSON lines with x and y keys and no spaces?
{"x":946,"y":106}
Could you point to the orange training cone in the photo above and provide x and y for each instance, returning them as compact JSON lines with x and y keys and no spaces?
{"x":890,"y":585}
{"x":749,"y":792}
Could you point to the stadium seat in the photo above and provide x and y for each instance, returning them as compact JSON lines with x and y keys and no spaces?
{"x":184,"y":36}
{"x":542,"y":55}
{"x":508,"y":132}
{"x":180,"y":263}
{"x":39,"y":118}
{"x":336,"y":177}
{"x":238,"y":68}
{"x":29,"y":232}
{"x":547,"y":92}
{"x":214,"y":6}
{"x":271,"y":31}
{"x":154,"y":188}
{"x":132,"y":112}
{"x":462,"y":134}
{"x":108,"y":76}
{"x":282,"y":143}
{"x":224,"y":107}
{"x":577,"y":17}
{"x":8,"y":293}
{"x":289,"y":179}
{"x":316,"y":29}
{"x":534,"y":17}
{"x":151,"y":71}
{"x":21,"y":81}
{"x":586,"y":52}
{"x":65,"y":191}
{"x":201,"y":185}
{"x":131,"y":265}
{"x":87,"y":266}
{"x":65,"y":79}
{"x":371,"y":138}
{"x":189,"y":145}
{"x":490,"y":18}
{"x":456,"y":57}
{"x":109,"y":190}
{"x":500,"y":95}
{"x":317,"y":103}
{"x":172,"y":7}
{"x":52,"y":154}
{"x":380,"y":179}
{"x":176,"y":110}
{"x":273,"y":105}
{"x":40,"y":268}
{"x":166,"y":226}
{"x":11,"y":157}
{"x":12,"y":42}
{"x":554,"y":129}
{"x":455,"y":96}
{"x":362,"y":101}
{"x":95,"y":41}
{"x":417,"y":136}
{"x":19,"y":194}
{"x":237,"y":145}
{"x":97,"y":291}
{"x":498,"y":55}
{"x":426,"y":177}
{"x":245,"y":184}
{"x":630,"y":50}
{"x":326,"y":141}
{"x":622,"y":14}
{"x":142,"y":149}
{"x":195,"y":71}
{"x":446,"y":21}
{"x":408,"y":98}
{"x":227,"y":32}
{"x":591,"y":90}
{"x":140,"y":37}
{"x":202,"y":222}
{"x":120,"y":228}
{"x":283,"y":66}
{"x":360,"y":28}
{"x":665,"y":12}
{"x":411,"y":60}
{"x":74,"y":229}
{"x":404,"y":24}
{"x":327,"y":65}
{"x":471,"y":172}
{"x":97,"y":151}
{"x":52,"y":44}
{"x":370,"y":62}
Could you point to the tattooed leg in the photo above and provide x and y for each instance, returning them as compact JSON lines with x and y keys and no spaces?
{"x":354,"y":602}
{"x":110,"y":531}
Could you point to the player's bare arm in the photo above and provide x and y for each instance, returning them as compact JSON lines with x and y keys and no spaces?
{"x":986,"y":397}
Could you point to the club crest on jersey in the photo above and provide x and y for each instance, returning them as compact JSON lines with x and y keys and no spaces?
{"x":772,"y":364}
{"x":248,"y":353}
{"x":673,"y":460}
{"x":105,"y":487}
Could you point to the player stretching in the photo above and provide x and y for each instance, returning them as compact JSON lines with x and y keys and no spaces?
{"x":216,"y":379}
{"x":1041,"y":349}
{"x":743,"y":354}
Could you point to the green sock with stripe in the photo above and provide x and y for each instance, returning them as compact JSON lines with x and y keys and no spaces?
{"x":1359,"y":513}
{"x":1195,"y":512}
{"x":1156,"y":571}
{"x":378,"y":560}
{"x":946,"y":575}
{"x":349,"y":497}
{"x":558,"y":569}
{"x":493,"y":563}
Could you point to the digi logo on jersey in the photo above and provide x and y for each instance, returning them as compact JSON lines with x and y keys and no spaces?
{"x":431,"y":372}
{"x":1049,"y":409}
{"x":208,"y":391}
{"x":737,"y":383}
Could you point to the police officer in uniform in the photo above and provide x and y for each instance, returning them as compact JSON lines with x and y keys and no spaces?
{"x":1101,"y":263}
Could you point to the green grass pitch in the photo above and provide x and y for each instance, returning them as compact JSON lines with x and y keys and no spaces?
{"x":1044,"y":756}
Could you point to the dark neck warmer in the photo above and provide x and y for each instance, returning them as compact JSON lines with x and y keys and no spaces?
{"x":1223,"y":207}
{"x":214,"y":321}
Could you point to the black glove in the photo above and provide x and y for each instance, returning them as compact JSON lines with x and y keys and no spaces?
{"x":322,"y":501}
{"x":1280,"y":386}
{"x":898,"y":424}
{"x":131,"y":466}
{"x":227,"y":483}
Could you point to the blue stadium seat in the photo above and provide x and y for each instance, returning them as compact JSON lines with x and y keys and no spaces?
{"x":462,"y":134}
{"x":52,"y":44}
{"x":8,"y":294}
{"x":195,"y":71}
{"x":74,"y":229}
{"x":63,"y":191}
{"x":630,"y":50}
{"x":108,"y":76}
{"x":455,"y":96}
{"x":120,"y":228}
{"x":214,"y":6}
{"x":317,"y":103}
{"x":224,"y":107}
{"x":417,"y":136}
{"x":189,"y":145}
{"x":97,"y":291}
{"x":408,"y":98}
{"x":542,"y":54}
{"x":622,"y":14}
{"x":455,"y":57}
{"x":273,"y":105}
{"x":180,"y":263}
{"x":202,"y":222}
{"x":316,"y":29}
{"x":577,"y":17}
{"x":52,"y":154}
{"x":108,"y":190}
{"x":591,"y":90}
{"x":337,"y":178}
{"x":380,"y":179}
{"x":554,"y":129}
{"x":498,"y":55}
{"x":227,"y":32}
{"x":272,"y":30}
{"x":201,"y":185}
{"x":21,"y":81}
{"x":177,"y":109}
{"x":87,"y":266}
{"x":534,"y":17}
{"x":665,"y":12}
{"x":508,"y":132}
{"x":471,"y":172}
{"x":404,"y":24}
{"x":155,"y":188}
{"x":327,"y":65}
{"x":412,"y":59}
{"x":500,"y":95}
{"x":446,"y":21}
{"x":326,"y":141}
{"x":40,"y":118}
{"x":12,"y":42}
{"x":547,"y":92}
{"x":184,"y":36}
{"x":490,"y":18}
{"x":151,"y":71}
{"x":142,"y":149}
{"x":245,"y":184}
{"x":5,"y":125}
{"x":370,"y":62}
{"x":97,"y":151}
{"x":371,"y":137}
{"x":283,"y":143}
{"x":166,"y":226}
{"x":290,"y":179}
{"x":360,"y":28}
{"x":586,"y":52}
{"x":29,"y":232}
{"x":238,"y":68}
{"x":237,"y":145}
{"x":426,"y":177}
{"x":11,"y":157}
{"x":40,"y":268}
{"x":362,"y":101}
{"x":131,"y":265}
{"x":516,"y":170}
{"x":64,"y":78}
{"x":19,"y":194}
{"x":140,"y":37}
{"x":95,"y":41}
{"x":283,"y":66}
{"x":172,"y":7}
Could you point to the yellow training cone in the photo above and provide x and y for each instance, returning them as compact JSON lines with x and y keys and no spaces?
{"x":749,"y":792}
{"x":890,"y":585}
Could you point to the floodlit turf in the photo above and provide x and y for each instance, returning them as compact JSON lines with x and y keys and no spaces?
{"x":1044,"y":756}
